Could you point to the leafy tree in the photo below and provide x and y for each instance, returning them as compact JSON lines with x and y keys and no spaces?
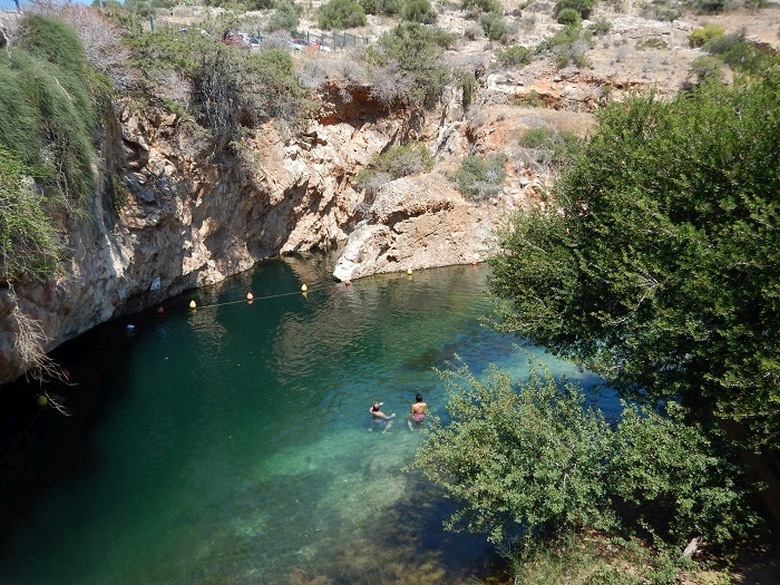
{"x":659,"y":267}
{"x":341,"y":14}
{"x":517,"y":459}
{"x":538,"y":460}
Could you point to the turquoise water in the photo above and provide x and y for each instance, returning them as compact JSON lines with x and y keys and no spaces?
{"x":232,"y":443}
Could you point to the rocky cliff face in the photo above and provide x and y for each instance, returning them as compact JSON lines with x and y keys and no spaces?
{"x":190,"y":220}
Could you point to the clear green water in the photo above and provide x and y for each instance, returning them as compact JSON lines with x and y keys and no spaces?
{"x":232,"y":443}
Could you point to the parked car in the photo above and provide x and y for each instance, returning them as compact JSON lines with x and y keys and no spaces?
{"x":297,"y":44}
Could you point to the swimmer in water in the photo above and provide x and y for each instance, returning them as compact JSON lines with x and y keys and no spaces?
{"x":380,"y":418}
{"x":419,"y":410}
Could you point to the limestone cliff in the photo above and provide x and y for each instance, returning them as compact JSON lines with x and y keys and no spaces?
{"x":190,"y":220}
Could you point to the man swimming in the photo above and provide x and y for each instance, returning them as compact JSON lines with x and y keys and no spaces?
{"x":419,"y":410}
{"x":380,"y":417}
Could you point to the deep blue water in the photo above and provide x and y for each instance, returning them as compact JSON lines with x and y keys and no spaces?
{"x":232,"y":443}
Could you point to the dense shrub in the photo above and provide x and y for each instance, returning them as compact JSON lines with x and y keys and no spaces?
{"x":47,"y":110}
{"x":550,"y":147}
{"x":341,"y":14}
{"x":390,"y":7}
{"x":567,"y":46}
{"x":600,"y":27}
{"x":370,"y":6}
{"x":740,"y":54}
{"x":476,"y":7}
{"x":582,"y":7}
{"x":28,"y":239}
{"x":232,"y":87}
{"x":539,"y":460}
{"x":514,"y":56}
{"x":406,"y":64}
{"x":494,"y":26}
{"x":706,"y":68}
{"x":480,"y":178}
{"x":398,"y":161}
{"x":418,"y":11}
{"x":710,"y":6}
{"x":284,"y":18}
{"x":701,"y":36}
{"x":569,"y":16}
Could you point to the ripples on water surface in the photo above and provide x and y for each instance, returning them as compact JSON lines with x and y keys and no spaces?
{"x":231,"y":444}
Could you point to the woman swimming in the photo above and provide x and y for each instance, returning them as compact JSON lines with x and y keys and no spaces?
{"x":419,"y":410}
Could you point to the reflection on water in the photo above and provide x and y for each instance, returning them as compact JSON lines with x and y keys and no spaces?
{"x":231,"y":443}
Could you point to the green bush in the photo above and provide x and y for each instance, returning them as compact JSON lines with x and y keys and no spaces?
{"x":569,"y":17}
{"x":748,"y":57}
{"x":551,"y":147}
{"x":418,"y":11}
{"x":479,"y":178}
{"x":398,"y":161}
{"x":284,"y":17}
{"x":710,"y":6}
{"x":514,"y":56}
{"x":233,"y":87}
{"x":370,"y":6}
{"x":706,"y":68}
{"x":600,"y":27}
{"x":494,"y":25}
{"x":341,"y":14}
{"x":468,"y":84}
{"x":28,"y":240}
{"x":701,"y":36}
{"x":47,"y":110}
{"x":583,"y":7}
{"x":406,"y":64}
{"x":476,"y":7}
{"x":390,"y":7}
{"x":532,"y":99}
{"x":652,"y":43}
{"x":567,"y":46}
{"x":539,"y":460}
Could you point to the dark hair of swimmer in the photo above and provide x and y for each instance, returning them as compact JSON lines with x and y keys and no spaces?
{"x":418,"y":398}
{"x":375,"y":407}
